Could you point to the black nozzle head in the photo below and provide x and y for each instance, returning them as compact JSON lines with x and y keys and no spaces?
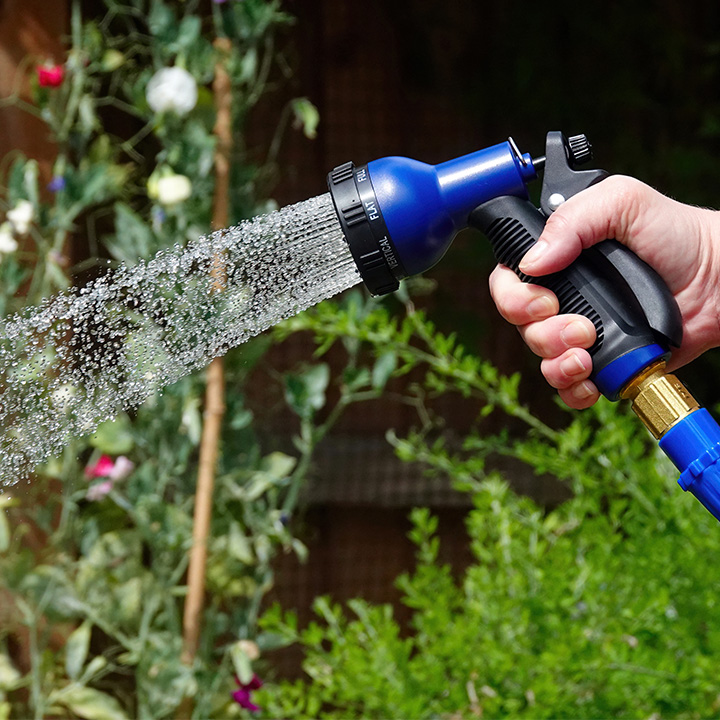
{"x":362,"y":223}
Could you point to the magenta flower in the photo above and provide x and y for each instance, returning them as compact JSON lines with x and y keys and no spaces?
{"x":106,"y":467}
{"x":101,"y":468}
{"x":112,"y":470}
{"x":50,"y":75}
{"x":242,"y":695}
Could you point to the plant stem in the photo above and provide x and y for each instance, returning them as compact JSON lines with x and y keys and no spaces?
{"x":311,"y":437}
{"x":36,"y":691}
{"x":215,"y":391}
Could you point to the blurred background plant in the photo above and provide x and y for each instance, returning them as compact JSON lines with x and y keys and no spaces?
{"x":94,"y":552}
{"x":603,"y":606}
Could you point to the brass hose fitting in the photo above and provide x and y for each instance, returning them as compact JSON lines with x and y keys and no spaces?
{"x":659,"y":399}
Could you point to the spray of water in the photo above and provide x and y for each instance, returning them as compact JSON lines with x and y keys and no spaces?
{"x":84,"y":355}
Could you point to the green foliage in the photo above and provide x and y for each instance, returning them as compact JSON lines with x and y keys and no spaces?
{"x":94,"y":552}
{"x":601,"y":607}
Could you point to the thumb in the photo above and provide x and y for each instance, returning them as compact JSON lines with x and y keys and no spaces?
{"x":608,"y":209}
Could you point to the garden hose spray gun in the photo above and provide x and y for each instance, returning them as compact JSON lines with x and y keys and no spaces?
{"x":399,"y":217}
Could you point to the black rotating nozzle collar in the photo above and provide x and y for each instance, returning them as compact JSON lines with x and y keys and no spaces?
{"x":365,"y":230}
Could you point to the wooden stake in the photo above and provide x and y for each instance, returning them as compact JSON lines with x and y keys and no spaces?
{"x":215,"y":390}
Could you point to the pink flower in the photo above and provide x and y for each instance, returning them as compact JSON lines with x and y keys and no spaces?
{"x":101,"y":468}
{"x":50,"y":75}
{"x":122,"y":468}
{"x":106,"y":467}
{"x":242,"y":696}
{"x":112,"y":470}
{"x":99,"y":490}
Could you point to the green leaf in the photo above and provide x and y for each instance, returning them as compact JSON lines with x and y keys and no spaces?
{"x":275,"y":640}
{"x":383,"y":369}
{"x":4,"y":532}
{"x":128,"y":598}
{"x":307,"y":117}
{"x":260,"y":483}
{"x":356,"y":378}
{"x":10,"y":677}
{"x":241,"y":419}
{"x":161,"y":21}
{"x":22,"y":183}
{"x":86,"y":115}
{"x":300,"y":549}
{"x":239,"y":546}
{"x":188,"y":33}
{"x":97,"y":664}
{"x":114,"y":437}
{"x":89,"y":185}
{"x":241,"y":663}
{"x":30,"y":182}
{"x":278,"y":464}
{"x":191,"y":422}
{"x":248,"y":65}
{"x":76,"y":649}
{"x":305,"y":392}
{"x":88,"y":703}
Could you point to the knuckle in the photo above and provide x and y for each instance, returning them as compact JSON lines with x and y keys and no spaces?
{"x":629,"y":195}
{"x":551,"y":375}
{"x":536,"y":337}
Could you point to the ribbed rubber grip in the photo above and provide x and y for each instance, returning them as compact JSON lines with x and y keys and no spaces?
{"x":591,"y":286}
{"x":511,"y":240}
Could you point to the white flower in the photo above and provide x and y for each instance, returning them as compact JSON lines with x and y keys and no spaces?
{"x":173,"y":189}
{"x":97,"y":492}
{"x":121,"y":469}
{"x":172,"y":88}
{"x":8,"y":244}
{"x":21,"y":216}
{"x":249,"y":649}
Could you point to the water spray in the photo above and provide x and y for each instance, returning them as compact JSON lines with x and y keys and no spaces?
{"x":399,"y":217}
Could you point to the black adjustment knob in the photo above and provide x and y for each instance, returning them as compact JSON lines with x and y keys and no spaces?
{"x":580,"y":149}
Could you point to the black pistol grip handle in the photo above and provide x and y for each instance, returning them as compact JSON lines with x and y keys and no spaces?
{"x":594,"y":285}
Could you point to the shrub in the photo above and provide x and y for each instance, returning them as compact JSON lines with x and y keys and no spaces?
{"x":602,"y":607}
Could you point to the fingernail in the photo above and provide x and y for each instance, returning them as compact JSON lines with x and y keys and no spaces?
{"x":583,"y":390}
{"x":576,"y":334}
{"x":533,"y":255}
{"x":572,"y":365}
{"x":541,"y":307}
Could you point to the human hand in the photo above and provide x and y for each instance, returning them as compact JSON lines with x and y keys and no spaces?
{"x":681,"y":242}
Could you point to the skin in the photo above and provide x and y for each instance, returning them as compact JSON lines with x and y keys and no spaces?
{"x":681,"y":242}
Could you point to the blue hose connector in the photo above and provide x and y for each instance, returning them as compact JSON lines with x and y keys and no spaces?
{"x":693,"y":444}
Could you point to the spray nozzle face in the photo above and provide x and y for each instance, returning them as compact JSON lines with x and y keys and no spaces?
{"x":399,"y":215}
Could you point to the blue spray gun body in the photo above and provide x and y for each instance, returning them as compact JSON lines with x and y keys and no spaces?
{"x":400,"y":216}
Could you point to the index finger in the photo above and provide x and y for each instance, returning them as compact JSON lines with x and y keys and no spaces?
{"x":608,"y":209}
